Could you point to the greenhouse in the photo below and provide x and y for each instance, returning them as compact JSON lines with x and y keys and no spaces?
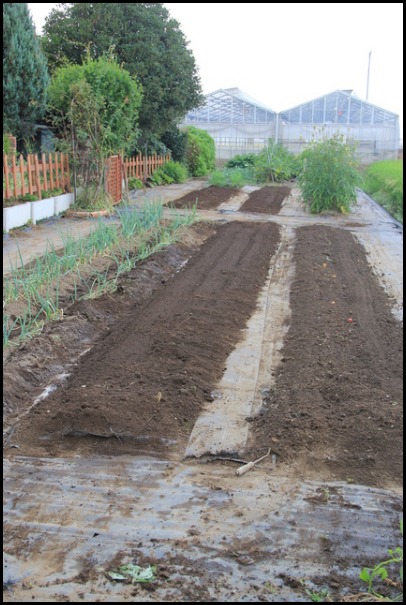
{"x":240,"y":124}
{"x":237,"y":122}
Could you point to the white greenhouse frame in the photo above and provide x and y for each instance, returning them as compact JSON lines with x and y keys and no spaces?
{"x":240,"y":124}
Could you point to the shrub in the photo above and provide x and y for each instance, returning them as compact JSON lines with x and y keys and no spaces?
{"x":171,"y":172}
{"x":246,"y":160}
{"x":329,"y":176}
{"x":160,"y":178}
{"x":178,"y":172}
{"x":200,"y":152}
{"x":275,"y":163}
{"x":176,"y":141}
{"x":93,"y":198}
{"x":232,"y":177}
{"x":134,"y":183}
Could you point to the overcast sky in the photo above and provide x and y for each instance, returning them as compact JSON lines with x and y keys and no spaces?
{"x":286,"y":54}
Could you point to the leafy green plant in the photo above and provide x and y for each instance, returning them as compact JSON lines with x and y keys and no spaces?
{"x":51,"y":193}
{"x":6,"y":144}
{"x":37,"y":286}
{"x":329,"y":177}
{"x":134,"y":183}
{"x":382,"y":569}
{"x":92,"y":198}
{"x":176,"y":140}
{"x":318,"y":597}
{"x":232,"y":177}
{"x":275,"y":163}
{"x":200,"y":152}
{"x":176,"y":171}
{"x":246,"y":160}
{"x":160,"y":178}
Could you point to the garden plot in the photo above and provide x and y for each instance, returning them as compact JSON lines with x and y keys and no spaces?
{"x":103,"y":456}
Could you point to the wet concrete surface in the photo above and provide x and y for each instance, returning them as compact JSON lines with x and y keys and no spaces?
{"x":227,"y":538}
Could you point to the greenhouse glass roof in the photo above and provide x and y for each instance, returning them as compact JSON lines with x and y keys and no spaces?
{"x":231,"y":106}
{"x":339,"y":107}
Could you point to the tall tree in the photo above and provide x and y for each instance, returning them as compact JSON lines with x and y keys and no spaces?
{"x":149,"y":44}
{"x":25,"y":72}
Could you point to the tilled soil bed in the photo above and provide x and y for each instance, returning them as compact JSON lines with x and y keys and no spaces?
{"x":100,"y":409}
{"x":159,"y":346}
{"x":207,"y":198}
{"x":266,"y":200}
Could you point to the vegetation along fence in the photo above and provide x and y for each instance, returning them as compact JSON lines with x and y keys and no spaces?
{"x":38,"y":174}
{"x":141,"y":167}
{"x":35,"y":175}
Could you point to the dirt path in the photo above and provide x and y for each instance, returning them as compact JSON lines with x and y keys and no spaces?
{"x":250,"y":334}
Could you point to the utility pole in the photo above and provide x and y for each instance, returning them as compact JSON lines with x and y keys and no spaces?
{"x":369,"y":65}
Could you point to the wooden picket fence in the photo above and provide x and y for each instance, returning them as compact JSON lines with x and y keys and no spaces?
{"x":35,"y":175}
{"x":141,"y":167}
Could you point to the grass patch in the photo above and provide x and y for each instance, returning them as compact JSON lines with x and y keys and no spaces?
{"x":384,"y":182}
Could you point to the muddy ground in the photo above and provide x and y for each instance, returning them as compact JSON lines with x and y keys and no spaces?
{"x":134,"y":369}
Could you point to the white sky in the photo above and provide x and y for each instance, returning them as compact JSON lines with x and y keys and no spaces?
{"x":286,"y":54}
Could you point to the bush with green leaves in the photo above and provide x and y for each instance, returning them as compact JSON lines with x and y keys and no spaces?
{"x":246,"y":160}
{"x":275,"y":164}
{"x":170,"y":172}
{"x":200,"y":152}
{"x":232,"y":177}
{"x":175,"y":140}
{"x":92,"y":199}
{"x":177,"y":171}
{"x":134,"y":183}
{"x":116,"y":99}
{"x":329,"y":177}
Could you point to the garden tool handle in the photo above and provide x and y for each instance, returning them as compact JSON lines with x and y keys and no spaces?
{"x":245,"y":468}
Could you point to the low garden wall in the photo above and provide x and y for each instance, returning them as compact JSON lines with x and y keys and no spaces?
{"x":32,"y":212}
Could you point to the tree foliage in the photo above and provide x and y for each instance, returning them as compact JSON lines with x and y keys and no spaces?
{"x":25,"y":73}
{"x":148,"y":43}
{"x":95,"y":108}
{"x":175,"y":140}
{"x":200,"y":152}
{"x":116,"y":101}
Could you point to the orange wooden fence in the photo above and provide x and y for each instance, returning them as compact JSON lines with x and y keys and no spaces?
{"x":141,"y":167}
{"x":35,"y":175}
{"x":51,"y":171}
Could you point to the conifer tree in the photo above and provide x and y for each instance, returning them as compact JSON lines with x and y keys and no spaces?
{"x":25,"y":72}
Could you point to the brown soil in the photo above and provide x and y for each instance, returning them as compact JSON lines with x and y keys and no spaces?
{"x":160,"y":343}
{"x":207,"y":198}
{"x":267,"y":200}
{"x":337,"y":401}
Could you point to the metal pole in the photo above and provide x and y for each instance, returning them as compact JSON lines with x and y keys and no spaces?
{"x":369,"y":65}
